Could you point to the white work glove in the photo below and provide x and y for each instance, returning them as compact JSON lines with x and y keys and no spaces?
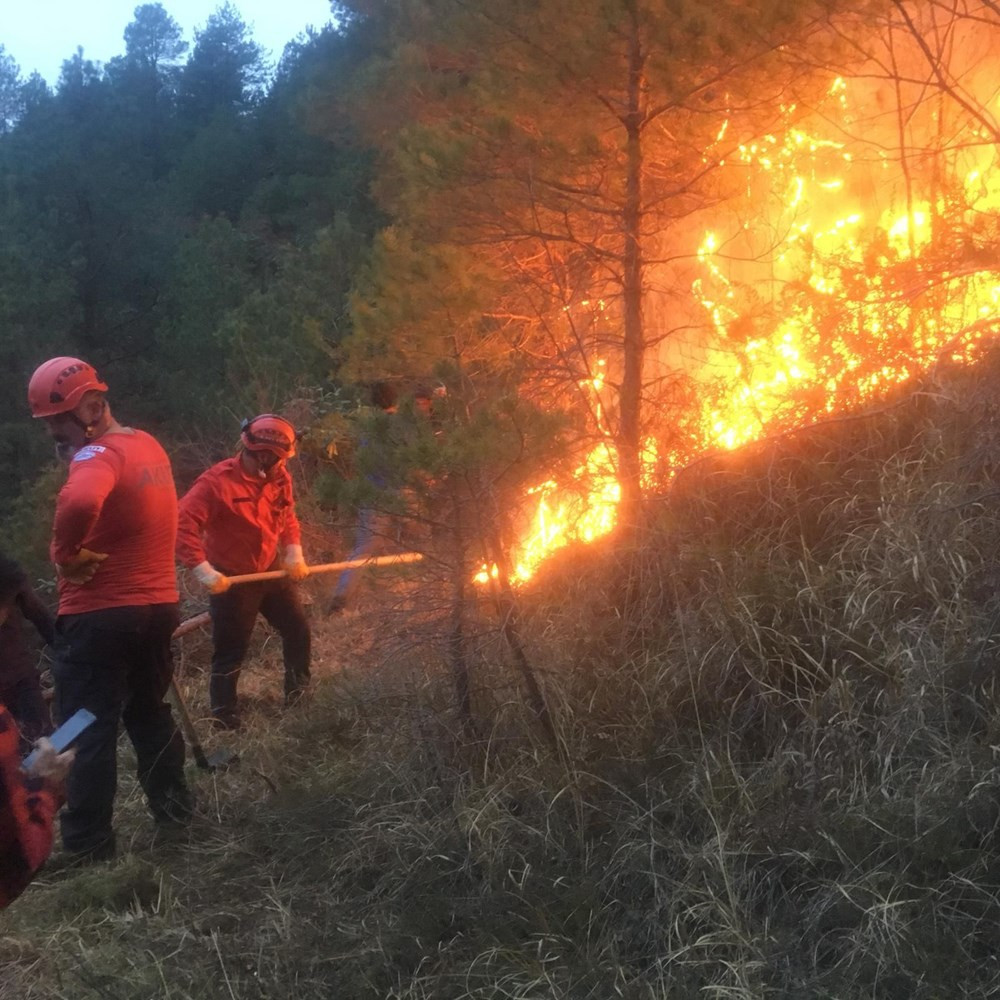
{"x":294,"y":563}
{"x":210,"y":578}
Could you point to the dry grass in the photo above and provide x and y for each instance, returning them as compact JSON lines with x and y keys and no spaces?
{"x":777,"y":771}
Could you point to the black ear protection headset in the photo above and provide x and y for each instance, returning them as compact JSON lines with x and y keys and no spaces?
{"x":248,"y":422}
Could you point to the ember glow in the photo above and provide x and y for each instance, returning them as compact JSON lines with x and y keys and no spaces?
{"x":564,"y":515}
{"x":581,"y":513}
{"x":854,"y":257}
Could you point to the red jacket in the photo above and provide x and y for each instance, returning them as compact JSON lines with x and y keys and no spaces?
{"x":236,"y":521}
{"x":27,"y":809}
{"x":119,"y":499}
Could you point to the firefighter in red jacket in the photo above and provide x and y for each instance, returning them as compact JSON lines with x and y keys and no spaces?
{"x":28,"y":804}
{"x":113,"y":546}
{"x":239,"y":517}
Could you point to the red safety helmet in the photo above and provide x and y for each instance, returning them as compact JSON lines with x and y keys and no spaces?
{"x":59,"y":384}
{"x":268,"y":432}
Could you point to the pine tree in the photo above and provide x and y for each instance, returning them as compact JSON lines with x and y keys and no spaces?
{"x":537,"y":158}
{"x":154,"y":40}
{"x":11,"y":98}
{"x":226,"y":72}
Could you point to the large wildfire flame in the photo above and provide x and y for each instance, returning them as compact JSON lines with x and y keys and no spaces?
{"x":867,"y":303}
{"x":842,"y":270}
{"x":561,"y":515}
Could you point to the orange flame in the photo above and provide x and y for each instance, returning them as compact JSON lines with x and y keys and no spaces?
{"x":761,"y":382}
{"x":856,"y":298}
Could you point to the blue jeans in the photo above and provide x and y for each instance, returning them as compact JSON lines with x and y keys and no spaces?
{"x":364,"y":542}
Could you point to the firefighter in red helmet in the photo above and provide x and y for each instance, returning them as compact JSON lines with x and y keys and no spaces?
{"x":239,"y":517}
{"x":59,"y":384}
{"x":113,"y":542}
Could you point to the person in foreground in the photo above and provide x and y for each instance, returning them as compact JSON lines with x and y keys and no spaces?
{"x":28,"y":804}
{"x":234,"y":520}
{"x":20,"y":682}
{"x":112,"y":544}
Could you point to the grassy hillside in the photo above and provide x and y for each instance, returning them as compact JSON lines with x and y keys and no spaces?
{"x":776,"y":769}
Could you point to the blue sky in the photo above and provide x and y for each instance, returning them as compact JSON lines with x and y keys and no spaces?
{"x":42,"y":34}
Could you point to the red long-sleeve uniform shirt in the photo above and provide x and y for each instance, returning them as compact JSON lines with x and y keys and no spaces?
{"x":119,"y":499}
{"x":236,"y":521}
{"x":27,"y":809}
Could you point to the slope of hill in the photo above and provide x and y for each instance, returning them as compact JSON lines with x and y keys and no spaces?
{"x":774,"y":774}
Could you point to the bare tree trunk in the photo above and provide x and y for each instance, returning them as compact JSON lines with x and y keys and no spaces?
{"x":507,"y":611}
{"x":630,"y":444}
{"x":456,"y":629}
{"x":509,"y":625}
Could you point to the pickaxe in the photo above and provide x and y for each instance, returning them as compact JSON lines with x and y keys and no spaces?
{"x":220,"y":758}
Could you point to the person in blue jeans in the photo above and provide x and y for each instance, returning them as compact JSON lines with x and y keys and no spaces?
{"x":367,"y":533}
{"x":392,"y":452}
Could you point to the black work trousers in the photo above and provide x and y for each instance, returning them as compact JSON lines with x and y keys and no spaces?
{"x":233,"y":615}
{"x":117,"y":663}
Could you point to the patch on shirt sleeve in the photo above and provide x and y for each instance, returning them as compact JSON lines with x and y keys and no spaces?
{"x":89,"y":451}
